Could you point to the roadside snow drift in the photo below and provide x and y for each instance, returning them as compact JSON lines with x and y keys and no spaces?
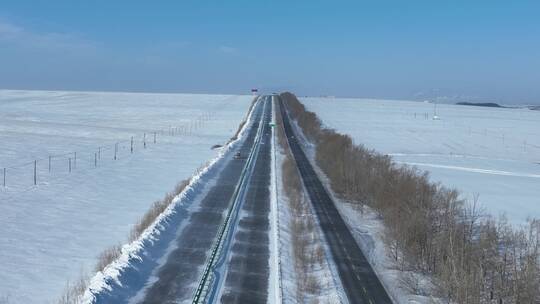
{"x":53,"y":231}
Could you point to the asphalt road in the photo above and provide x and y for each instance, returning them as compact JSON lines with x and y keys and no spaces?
{"x":177,"y":278}
{"x":360,"y":282}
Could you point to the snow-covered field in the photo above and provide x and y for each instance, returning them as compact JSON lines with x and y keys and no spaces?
{"x":54,"y":231}
{"x":491,"y":152}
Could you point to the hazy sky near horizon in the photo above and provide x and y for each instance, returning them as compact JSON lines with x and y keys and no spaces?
{"x":390,"y":49}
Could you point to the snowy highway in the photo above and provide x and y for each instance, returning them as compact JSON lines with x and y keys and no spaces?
{"x":359,"y":281}
{"x":247,"y":269}
{"x":218,"y":246}
{"x":177,"y":279}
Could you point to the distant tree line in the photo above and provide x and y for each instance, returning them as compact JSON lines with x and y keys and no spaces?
{"x":471,"y":257}
{"x":480,"y":104}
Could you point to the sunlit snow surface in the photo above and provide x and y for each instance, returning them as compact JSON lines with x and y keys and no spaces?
{"x":492,"y":152}
{"x":53,"y":231}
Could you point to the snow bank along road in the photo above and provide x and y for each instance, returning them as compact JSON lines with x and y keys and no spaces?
{"x":222,"y":253}
{"x":228,"y":265}
{"x":360,"y":282}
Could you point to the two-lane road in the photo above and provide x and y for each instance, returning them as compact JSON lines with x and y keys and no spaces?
{"x":176,"y":280}
{"x":360,"y":282}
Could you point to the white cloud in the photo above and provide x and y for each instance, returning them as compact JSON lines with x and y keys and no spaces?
{"x":227,"y":49}
{"x":8,"y":30}
{"x":14,"y":35}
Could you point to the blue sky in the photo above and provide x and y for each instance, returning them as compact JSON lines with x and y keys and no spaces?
{"x":394,"y":49}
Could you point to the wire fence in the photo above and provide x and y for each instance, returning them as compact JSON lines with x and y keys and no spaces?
{"x":44,"y":170}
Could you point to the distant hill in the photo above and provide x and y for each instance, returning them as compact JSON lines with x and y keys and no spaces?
{"x":536,"y":108}
{"x":481,"y":104}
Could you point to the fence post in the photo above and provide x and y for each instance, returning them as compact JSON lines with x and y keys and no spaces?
{"x":154,"y":137}
{"x":4,"y":177}
{"x":99,"y":153}
{"x":69,"y":164}
{"x":35,"y":172}
{"x":144,"y":140}
{"x":115,"y":150}
{"x":95,"y":159}
{"x":131,"y":144}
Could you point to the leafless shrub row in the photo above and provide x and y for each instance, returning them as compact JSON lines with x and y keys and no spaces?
{"x":108,"y":256}
{"x":155,"y":210}
{"x":74,"y":291}
{"x":473,"y":258}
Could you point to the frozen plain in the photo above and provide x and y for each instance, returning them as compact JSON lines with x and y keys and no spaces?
{"x":490,"y":152}
{"x":54,"y":231}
